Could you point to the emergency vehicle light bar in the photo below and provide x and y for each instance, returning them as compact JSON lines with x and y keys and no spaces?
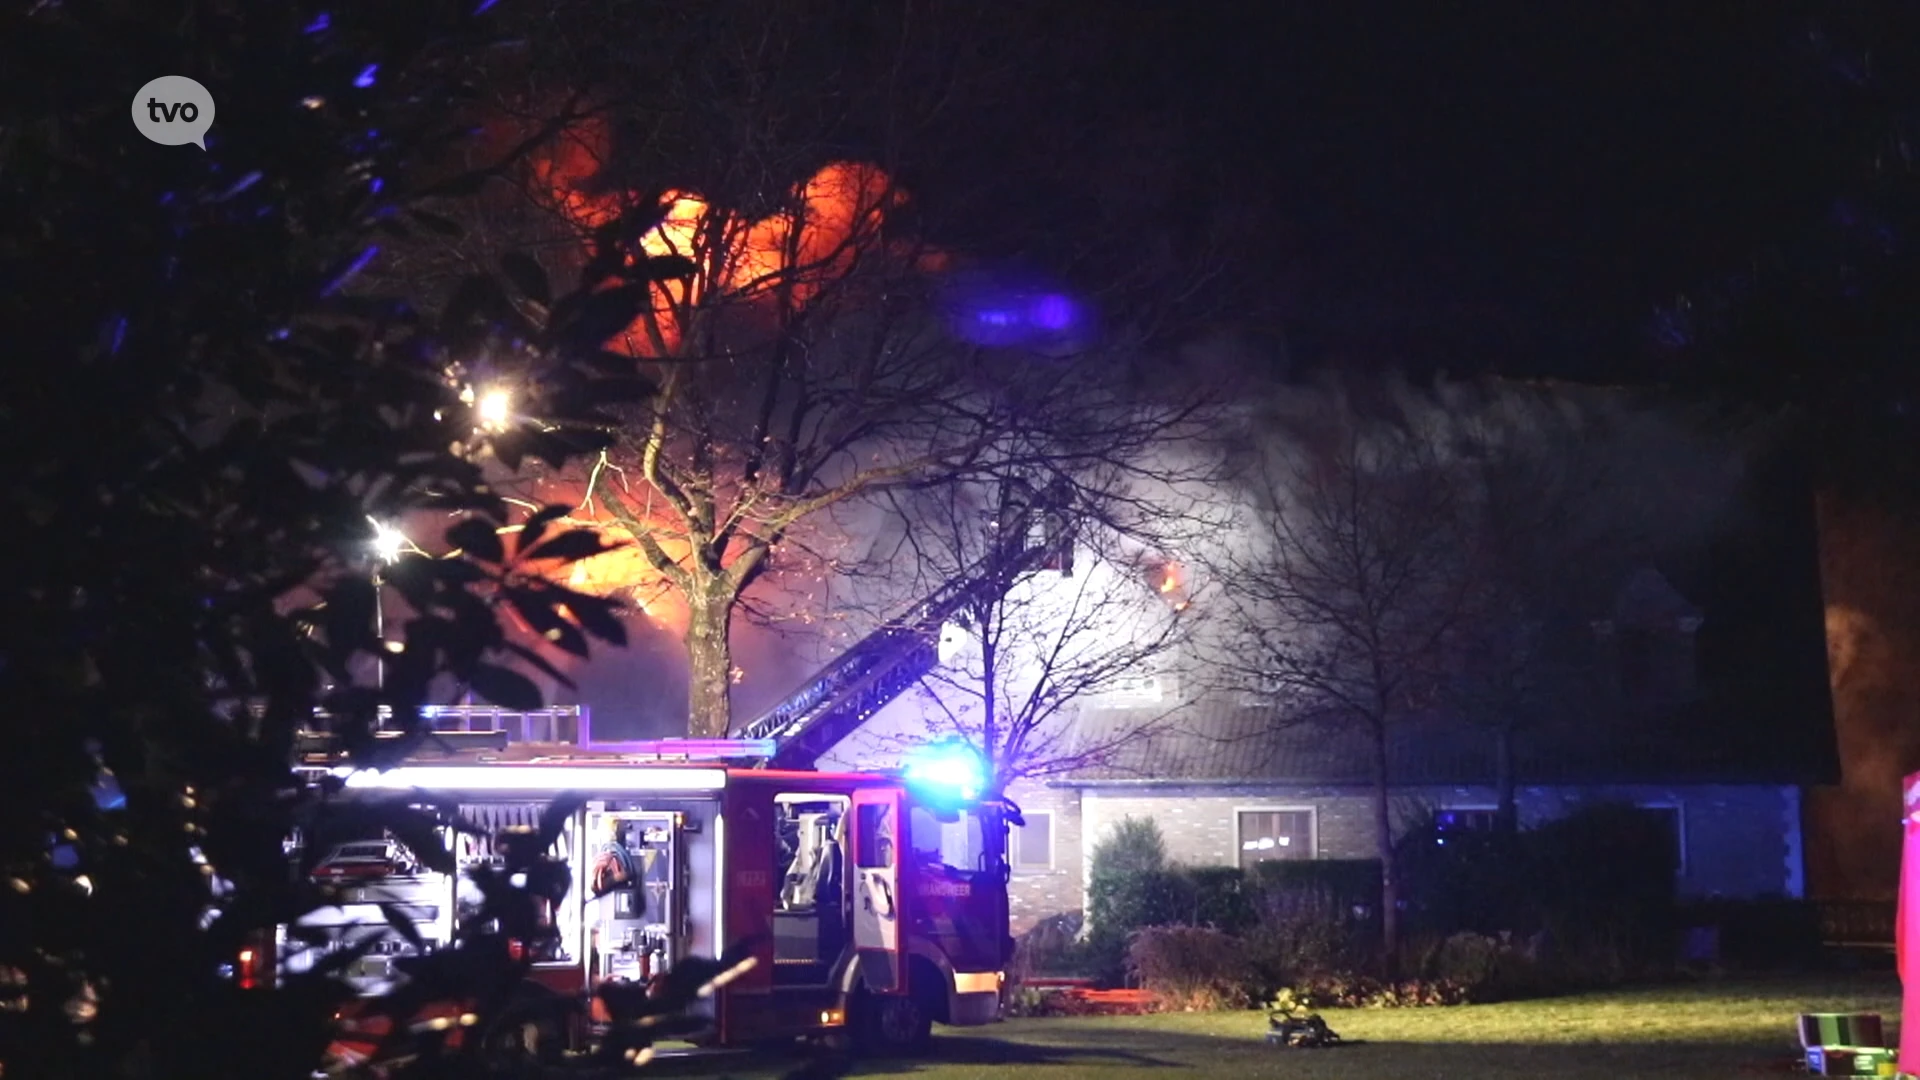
{"x":554,"y":778}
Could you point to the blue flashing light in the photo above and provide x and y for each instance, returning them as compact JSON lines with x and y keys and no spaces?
{"x":949,"y":770}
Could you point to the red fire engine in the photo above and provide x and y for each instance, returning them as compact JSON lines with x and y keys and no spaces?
{"x":880,"y":898}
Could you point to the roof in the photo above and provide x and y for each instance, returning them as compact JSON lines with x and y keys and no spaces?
{"x":1223,"y":741}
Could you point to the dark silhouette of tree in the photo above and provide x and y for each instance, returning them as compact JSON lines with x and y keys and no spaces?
{"x":811,"y":359}
{"x":206,"y":416}
{"x":1108,"y":605}
{"x":1345,"y":599}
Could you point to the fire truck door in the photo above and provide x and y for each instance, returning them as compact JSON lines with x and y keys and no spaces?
{"x":876,"y":899}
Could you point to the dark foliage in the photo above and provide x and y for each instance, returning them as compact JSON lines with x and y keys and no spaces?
{"x":1595,"y":888}
{"x":1820,"y":319}
{"x":1750,"y":935}
{"x":201,"y":415}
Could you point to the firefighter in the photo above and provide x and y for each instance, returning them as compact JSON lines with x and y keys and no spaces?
{"x":612,"y":878}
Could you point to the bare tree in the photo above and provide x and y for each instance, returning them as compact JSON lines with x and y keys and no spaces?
{"x":1346,"y":596}
{"x":813,"y":350}
{"x":1535,"y":541}
{"x":1026,"y":654}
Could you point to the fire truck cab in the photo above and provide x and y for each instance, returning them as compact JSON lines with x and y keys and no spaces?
{"x":879,"y":900}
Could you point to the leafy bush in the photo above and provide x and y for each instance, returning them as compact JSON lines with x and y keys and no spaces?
{"x":1285,"y":950}
{"x":1122,"y":862}
{"x":1471,"y":881}
{"x":1603,"y":881}
{"x":1288,"y":889}
{"x":1366,"y":992}
{"x":1192,"y":968}
{"x":1052,"y":947}
{"x":1218,"y":896}
{"x":1597,"y":887}
{"x":1489,"y":968}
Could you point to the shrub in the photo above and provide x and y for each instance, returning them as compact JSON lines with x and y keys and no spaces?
{"x":1218,"y":896}
{"x":1488,"y":968}
{"x":1603,"y":879}
{"x":1285,"y":950}
{"x":1052,"y":947}
{"x":1133,"y":855}
{"x":1366,"y":992}
{"x":1192,"y":968}
{"x":1288,"y":889}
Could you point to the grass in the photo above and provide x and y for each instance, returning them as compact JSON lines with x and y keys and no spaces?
{"x":1713,"y":1029}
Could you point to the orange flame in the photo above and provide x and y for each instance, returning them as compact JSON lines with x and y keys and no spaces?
{"x":792,"y":254}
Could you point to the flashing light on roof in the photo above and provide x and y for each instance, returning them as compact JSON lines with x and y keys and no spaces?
{"x":947,"y":768}
{"x":535,"y":778}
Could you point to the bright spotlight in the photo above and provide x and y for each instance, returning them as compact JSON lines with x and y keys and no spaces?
{"x":947,"y":771}
{"x":495,"y":408}
{"x":388,"y":542}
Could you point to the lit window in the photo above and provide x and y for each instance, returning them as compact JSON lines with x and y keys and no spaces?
{"x":1269,"y":835}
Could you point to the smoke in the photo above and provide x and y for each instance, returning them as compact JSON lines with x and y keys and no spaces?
{"x":1672,"y":478}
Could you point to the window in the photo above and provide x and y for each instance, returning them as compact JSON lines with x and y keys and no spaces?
{"x":1465,"y":819}
{"x":953,"y":841}
{"x":1030,"y":846}
{"x":1676,"y":829}
{"x":1268,"y":835}
{"x":875,"y":837}
{"x":1137,"y":690}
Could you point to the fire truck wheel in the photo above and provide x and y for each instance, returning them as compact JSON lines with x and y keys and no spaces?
{"x":890,"y":1026}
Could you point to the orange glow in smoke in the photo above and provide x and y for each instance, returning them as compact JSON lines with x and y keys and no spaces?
{"x":1170,"y":586}
{"x":833,"y":219}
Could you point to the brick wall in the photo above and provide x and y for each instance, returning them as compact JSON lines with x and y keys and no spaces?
{"x":1738,"y":840}
{"x":1035,"y":893}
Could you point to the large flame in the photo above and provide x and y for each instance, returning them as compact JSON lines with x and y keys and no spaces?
{"x":832,"y":221}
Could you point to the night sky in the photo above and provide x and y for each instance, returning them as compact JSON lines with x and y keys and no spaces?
{"x":1503,"y":185}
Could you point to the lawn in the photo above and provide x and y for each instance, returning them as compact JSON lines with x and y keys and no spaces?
{"x":1717,"y":1030}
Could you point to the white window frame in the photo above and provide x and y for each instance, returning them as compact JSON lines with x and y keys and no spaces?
{"x":1680,"y":824}
{"x":1053,"y":840}
{"x":1150,"y":688}
{"x":1313,"y":826}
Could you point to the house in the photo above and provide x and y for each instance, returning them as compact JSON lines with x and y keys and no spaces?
{"x":1724,"y":756}
{"x":1229,"y":788}
{"x":1721,"y":750}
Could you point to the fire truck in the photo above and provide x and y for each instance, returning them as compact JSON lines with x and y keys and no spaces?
{"x":879,"y":899}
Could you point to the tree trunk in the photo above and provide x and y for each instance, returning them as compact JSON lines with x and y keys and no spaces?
{"x":709,"y":664}
{"x":1383,"y":840}
{"x":1507,"y":808}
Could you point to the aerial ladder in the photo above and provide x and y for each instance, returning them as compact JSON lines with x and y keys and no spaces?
{"x":1032,"y":534}
{"x":855,"y":685}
